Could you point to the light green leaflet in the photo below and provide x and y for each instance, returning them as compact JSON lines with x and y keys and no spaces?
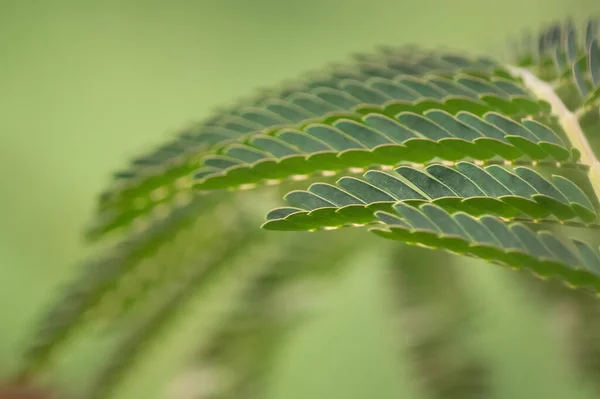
{"x":466,"y":187}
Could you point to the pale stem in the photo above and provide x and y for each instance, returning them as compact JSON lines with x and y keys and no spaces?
{"x":567,"y":119}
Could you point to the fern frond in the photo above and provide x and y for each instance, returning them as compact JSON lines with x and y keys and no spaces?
{"x":383,"y":139}
{"x":522,"y":193}
{"x":159,"y":176}
{"x":489,"y":238}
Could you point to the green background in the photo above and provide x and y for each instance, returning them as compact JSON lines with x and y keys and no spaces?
{"x":84,"y":85}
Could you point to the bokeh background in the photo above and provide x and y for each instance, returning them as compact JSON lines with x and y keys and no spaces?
{"x":84,"y":85}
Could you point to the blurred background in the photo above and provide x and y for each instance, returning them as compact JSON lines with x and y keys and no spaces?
{"x":85,"y":85}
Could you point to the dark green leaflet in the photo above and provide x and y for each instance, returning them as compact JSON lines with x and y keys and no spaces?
{"x":465,"y":187}
{"x":381,"y":139}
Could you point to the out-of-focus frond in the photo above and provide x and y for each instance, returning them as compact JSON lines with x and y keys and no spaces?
{"x":437,"y":325}
{"x":236,"y":360}
{"x":260,"y":310}
{"x":137,"y":266}
{"x":568,"y":57}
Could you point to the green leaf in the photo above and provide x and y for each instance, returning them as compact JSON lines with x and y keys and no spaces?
{"x":376,"y":139}
{"x":355,"y":94}
{"x":512,"y":245}
{"x":466,"y":187}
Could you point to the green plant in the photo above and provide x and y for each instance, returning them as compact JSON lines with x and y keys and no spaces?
{"x":476,"y":157}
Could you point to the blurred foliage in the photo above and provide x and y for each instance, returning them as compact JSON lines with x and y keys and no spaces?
{"x":85,"y":84}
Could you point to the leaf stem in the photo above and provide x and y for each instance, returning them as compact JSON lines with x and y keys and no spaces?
{"x":568,"y":121}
